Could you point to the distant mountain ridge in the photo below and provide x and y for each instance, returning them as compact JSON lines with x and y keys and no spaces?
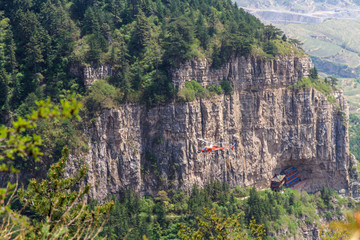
{"x":328,"y":30}
{"x":332,"y":44}
{"x":301,"y":11}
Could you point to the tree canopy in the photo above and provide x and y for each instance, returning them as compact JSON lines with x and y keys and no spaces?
{"x":42,"y":40}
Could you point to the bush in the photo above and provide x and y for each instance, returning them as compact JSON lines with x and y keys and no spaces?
{"x":102,"y":96}
{"x":270,"y":48}
{"x":186,"y":94}
{"x":192,"y":90}
{"x":329,"y":215}
{"x":215,"y":88}
{"x":227,"y":87}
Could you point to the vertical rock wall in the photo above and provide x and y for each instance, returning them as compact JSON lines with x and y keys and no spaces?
{"x":90,"y":74}
{"x":272,"y":126}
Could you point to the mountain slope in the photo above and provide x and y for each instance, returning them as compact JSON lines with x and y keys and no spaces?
{"x":301,"y":11}
{"x":333,"y":44}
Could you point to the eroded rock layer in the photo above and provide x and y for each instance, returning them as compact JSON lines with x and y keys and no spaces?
{"x":271,"y":125}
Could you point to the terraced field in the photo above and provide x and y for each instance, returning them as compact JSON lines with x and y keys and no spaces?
{"x":334,"y":45}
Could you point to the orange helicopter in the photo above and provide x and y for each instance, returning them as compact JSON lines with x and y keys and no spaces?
{"x":213,"y":147}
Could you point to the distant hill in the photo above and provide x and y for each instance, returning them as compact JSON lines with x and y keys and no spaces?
{"x":334,"y":45}
{"x":329,"y":30}
{"x":301,"y":11}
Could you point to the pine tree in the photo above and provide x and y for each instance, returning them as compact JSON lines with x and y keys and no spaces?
{"x":314,"y":73}
{"x":3,"y":88}
{"x":256,"y":208}
{"x":11,"y":63}
{"x":202,"y":32}
{"x":141,"y":34}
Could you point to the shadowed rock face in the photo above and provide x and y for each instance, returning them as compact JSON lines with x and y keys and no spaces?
{"x":272,"y":126}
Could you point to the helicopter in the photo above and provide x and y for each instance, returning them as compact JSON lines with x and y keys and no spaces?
{"x":213,"y":147}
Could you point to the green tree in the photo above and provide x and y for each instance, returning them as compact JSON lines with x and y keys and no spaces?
{"x":141,"y":34}
{"x":4,"y":89}
{"x":314,"y":73}
{"x":333,"y":81}
{"x":256,"y":207}
{"x":94,"y":53}
{"x":179,"y":40}
{"x":91,"y":22}
{"x":296,"y":42}
{"x":202,"y":32}
{"x":271,"y":32}
{"x":270,"y":48}
{"x":11,"y":63}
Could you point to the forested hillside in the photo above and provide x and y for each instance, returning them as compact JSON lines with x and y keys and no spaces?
{"x":141,"y":40}
{"x":260,"y":214}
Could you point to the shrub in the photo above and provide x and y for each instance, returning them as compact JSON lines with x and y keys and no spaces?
{"x":227,"y":87}
{"x":270,"y":48}
{"x":102,"y":95}
{"x":186,"y":94}
{"x":192,"y":90}
{"x":215,"y":88}
{"x":329,"y":215}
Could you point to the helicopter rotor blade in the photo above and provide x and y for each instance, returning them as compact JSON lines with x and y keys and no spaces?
{"x":226,"y":143}
{"x":203,"y":140}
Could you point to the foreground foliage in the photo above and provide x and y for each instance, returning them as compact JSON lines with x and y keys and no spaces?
{"x":54,"y":208}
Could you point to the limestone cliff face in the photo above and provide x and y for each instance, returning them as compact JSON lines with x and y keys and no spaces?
{"x":271,"y":125}
{"x":90,"y":74}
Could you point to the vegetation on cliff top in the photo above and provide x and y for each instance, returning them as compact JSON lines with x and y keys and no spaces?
{"x":326,"y":86}
{"x":193,"y":90}
{"x":41,"y":41}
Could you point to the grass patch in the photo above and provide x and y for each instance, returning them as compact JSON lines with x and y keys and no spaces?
{"x":287,"y":49}
{"x":319,"y":84}
{"x":257,"y":51}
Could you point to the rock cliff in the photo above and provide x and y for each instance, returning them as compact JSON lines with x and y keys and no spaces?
{"x":271,"y":125}
{"x":90,"y":74}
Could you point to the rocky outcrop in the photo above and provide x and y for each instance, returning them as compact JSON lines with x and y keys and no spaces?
{"x":90,"y":74}
{"x":271,"y":125}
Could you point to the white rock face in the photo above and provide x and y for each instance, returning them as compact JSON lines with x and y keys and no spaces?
{"x":91,"y":74}
{"x":272,"y":126}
